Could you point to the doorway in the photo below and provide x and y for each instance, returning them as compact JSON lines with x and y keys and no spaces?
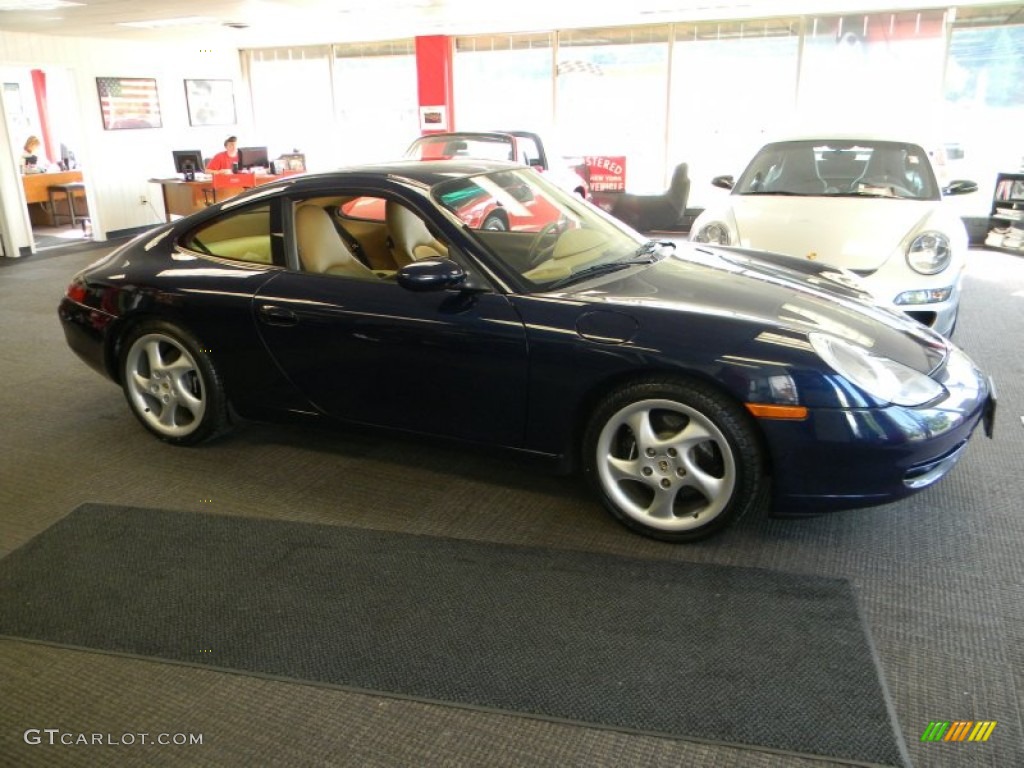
{"x":40,"y":107}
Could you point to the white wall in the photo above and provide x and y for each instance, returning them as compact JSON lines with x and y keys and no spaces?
{"x":117,"y":164}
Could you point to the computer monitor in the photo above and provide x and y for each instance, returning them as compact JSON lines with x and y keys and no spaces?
{"x":252,"y":157}
{"x":67,"y":158}
{"x":186,"y":160}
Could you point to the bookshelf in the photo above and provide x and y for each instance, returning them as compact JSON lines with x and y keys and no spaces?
{"x":1006,"y":219}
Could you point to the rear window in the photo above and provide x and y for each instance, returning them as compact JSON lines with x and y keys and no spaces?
{"x":241,"y":235}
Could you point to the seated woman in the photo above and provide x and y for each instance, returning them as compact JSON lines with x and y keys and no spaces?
{"x":32,"y":160}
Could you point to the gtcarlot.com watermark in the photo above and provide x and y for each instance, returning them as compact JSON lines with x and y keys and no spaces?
{"x":56,"y":737}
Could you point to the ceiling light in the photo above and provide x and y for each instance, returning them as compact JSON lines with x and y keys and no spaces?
{"x":183,"y":21}
{"x":35,"y":5}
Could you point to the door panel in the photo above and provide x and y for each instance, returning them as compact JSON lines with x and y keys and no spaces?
{"x":447,"y":362}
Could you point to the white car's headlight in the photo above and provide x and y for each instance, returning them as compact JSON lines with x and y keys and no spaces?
{"x":923,"y":296}
{"x":714,"y":232}
{"x":880,"y":377}
{"x":929,"y":253}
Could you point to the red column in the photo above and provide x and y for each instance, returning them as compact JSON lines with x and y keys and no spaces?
{"x":39,"y":86}
{"x":434,"y":55}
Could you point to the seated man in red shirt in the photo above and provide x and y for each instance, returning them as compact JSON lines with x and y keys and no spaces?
{"x":224,"y":162}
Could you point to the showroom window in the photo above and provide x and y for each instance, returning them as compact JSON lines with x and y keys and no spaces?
{"x":375,"y":100}
{"x":291,"y":106}
{"x":612,"y":99}
{"x":327,"y":101}
{"x":504,"y":82}
{"x":733,"y":85}
{"x":984,"y":99}
{"x":861,"y":71}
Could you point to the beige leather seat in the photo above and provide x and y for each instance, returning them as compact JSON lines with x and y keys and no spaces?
{"x":887,"y":167}
{"x":321,"y":249}
{"x":800,"y":174}
{"x":409,"y":237}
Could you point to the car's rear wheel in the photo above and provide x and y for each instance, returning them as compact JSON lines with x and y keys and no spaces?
{"x":171,"y":384}
{"x":495,"y":222}
{"x":674,"y":460}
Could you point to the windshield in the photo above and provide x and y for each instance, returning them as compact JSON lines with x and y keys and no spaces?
{"x":542,"y":234}
{"x":444,"y":147}
{"x":822,"y":168}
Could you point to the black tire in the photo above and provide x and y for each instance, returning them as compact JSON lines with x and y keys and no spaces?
{"x":696,"y":467}
{"x":495,"y":222}
{"x":171,"y":384}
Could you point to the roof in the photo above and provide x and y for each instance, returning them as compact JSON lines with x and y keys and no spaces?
{"x":425,"y":172}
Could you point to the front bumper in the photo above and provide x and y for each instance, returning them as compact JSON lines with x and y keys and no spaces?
{"x":888,"y":283}
{"x":842,"y":458}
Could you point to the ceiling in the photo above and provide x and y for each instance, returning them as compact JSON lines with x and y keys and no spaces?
{"x":254,"y":23}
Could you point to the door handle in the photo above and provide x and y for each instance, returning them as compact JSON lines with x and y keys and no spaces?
{"x":272,"y":314}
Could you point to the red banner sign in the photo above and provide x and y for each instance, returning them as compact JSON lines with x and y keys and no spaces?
{"x":607,"y":173}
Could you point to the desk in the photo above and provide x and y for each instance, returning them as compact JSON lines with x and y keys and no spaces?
{"x":37,"y":186}
{"x":182,"y":198}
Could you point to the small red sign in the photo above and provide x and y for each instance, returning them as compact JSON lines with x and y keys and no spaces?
{"x":607,"y":172}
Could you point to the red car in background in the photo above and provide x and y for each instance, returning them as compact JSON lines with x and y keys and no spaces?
{"x":494,"y":207}
{"x":514,"y":208}
{"x":518,"y":146}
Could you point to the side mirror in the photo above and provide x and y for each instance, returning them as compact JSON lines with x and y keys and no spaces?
{"x":431,"y":275}
{"x":724,"y":182}
{"x":535,"y":162}
{"x":960,"y":187}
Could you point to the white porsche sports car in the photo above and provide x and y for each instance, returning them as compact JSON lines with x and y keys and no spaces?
{"x":873,"y":207}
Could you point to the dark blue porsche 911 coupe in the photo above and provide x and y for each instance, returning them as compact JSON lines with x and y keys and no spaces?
{"x":689,"y":383}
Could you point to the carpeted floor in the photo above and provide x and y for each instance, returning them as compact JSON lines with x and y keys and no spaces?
{"x":594,"y":639}
{"x":939,"y":577}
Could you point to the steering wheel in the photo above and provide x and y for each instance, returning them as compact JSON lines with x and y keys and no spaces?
{"x":538,"y":252}
{"x":897,"y":189}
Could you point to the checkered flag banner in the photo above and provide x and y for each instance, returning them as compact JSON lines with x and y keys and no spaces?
{"x":575,"y":66}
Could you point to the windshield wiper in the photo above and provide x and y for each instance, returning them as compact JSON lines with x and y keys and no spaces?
{"x":595,"y":269}
{"x":883,"y":193}
{"x":646,"y":254}
{"x":651,"y":248}
{"x":774,"y":192}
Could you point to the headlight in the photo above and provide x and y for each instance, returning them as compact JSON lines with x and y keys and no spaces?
{"x":929,"y":253}
{"x":923,"y":296}
{"x":880,"y":377}
{"x":714,"y":232}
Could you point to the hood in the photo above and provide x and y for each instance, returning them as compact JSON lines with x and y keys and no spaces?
{"x":742,"y":286}
{"x":854,"y":233}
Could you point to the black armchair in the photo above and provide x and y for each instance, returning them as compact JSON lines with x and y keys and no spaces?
{"x":647,"y":213}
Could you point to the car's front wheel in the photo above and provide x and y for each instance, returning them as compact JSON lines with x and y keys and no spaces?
{"x":171,"y":384}
{"x":674,"y":460}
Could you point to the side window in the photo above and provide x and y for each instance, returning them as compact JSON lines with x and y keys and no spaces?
{"x":242,"y":235}
{"x":365,"y":237}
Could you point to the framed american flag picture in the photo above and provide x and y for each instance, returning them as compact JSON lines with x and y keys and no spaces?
{"x":129,"y":102}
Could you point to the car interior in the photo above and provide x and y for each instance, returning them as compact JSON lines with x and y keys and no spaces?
{"x":408,"y":236}
{"x":241,"y":236}
{"x":356,"y":237}
{"x":321,"y":248}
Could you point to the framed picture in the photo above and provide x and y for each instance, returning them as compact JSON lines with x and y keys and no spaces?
{"x":210,"y":102}
{"x":433,"y":118}
{"x":129,"y":102}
